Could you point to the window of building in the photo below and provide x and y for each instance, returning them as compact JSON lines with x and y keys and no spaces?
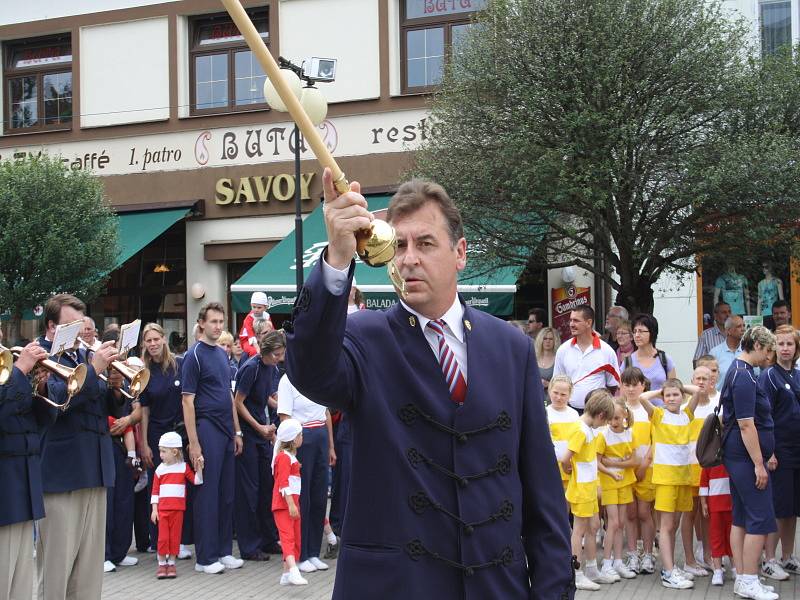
{"x":37,"y":83}
{"x":225,"y":76}
{"x":775,"y":17}
{"x":428,"y":30}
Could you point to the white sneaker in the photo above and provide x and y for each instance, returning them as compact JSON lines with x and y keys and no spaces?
{"x":295,"y":578}
{"x":754,"y":590}
{"x":769,"y":588}
{"x":696,"y":571}
{"x":610,"y":571}
{"x":718,"y":578}
{"x":791,"y":565}
{"x":212,"y":569}
{"x":231,"y":562}
{"x":184,"y":553}
{"x":632,"y":562}
{"x":648,"y":564}
{"x":599,"y":576}
{"x":109,"y":567}
{"x":773,"y":569}
{"x":321,"y":566}
{"x":128,"y":561}
{"x":685,"y":574}
{"x":582,"y":582}
{"x":623,"y":571}
{"x":307,"y":566}
{"x":284,"y":578}
{"x":675,"y":581}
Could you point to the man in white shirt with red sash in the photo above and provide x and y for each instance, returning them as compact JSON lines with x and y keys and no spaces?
{"x":585,"y":358}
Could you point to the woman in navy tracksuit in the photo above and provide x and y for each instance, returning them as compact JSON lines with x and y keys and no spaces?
{"x":750,"y":441}
{"x":781,"y":382}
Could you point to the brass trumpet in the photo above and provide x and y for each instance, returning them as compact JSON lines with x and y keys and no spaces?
{"x":74,"y":377}
{"x":137,"y":378}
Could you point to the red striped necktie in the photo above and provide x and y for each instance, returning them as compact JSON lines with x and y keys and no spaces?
{"x":450,"y":367}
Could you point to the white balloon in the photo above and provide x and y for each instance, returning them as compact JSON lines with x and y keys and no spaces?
{"x":315,"y":104}
{"x":271,"y":94}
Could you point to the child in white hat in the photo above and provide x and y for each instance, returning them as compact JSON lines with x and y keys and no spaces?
{"x":248,"y":340}
{"x":169,"y":500}
{"x":286,"y":497}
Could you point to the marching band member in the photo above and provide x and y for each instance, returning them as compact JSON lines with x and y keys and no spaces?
{"x":77,"y":467}
{"x":21,"y":503}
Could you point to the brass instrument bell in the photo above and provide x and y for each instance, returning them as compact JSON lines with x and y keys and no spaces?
{"x":137,"y":378}
{"x":6,"y":364}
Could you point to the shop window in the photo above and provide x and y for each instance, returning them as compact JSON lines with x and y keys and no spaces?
{"x":429,"y":31}
{"x":225,"y":75}
{"x":37,"y":82}
{"x":775,"y":17}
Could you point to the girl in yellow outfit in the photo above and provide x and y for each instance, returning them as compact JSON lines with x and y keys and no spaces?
{"x":671,"y":473}
{"x":580,"y":463}
{"x":563,"y":419}
{"x":616,"y":463}
{"x":639,"y":525}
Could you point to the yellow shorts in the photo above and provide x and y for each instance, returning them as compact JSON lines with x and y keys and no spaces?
{"x":623,"y":495}
{"x":584,"y":509}
{"x":645,"y":492}
{"x":674,"y":498}
{"x":695,"y":491}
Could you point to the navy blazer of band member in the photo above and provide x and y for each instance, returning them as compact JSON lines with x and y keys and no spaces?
{"x":21,"y":421}
{"x":76,"y":448}
{"x":445,"y":501}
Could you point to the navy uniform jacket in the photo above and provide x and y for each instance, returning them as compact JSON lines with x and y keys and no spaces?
{"x":76,"y":449}
{"x":21,"y":420}
{"x":445,"y":501}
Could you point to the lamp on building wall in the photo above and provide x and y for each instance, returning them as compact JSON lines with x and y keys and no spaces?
{"x":198,"y":291}
{"x":316,"y":107}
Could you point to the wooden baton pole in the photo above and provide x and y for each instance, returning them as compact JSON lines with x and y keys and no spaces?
{"x":296,"y":110}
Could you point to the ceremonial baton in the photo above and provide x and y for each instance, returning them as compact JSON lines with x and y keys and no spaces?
{"x":375,"y":246}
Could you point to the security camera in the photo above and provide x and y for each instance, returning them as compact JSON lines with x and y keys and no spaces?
{"x":320,"y":69}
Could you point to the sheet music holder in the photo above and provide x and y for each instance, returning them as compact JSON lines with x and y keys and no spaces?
{"x":129,"y":336}
{"x":65,"y":336}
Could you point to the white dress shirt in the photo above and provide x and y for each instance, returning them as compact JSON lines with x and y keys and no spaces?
{"x":336,"y":283}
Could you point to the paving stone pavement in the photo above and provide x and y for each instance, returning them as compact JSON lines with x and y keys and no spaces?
{"x":260,"y":581}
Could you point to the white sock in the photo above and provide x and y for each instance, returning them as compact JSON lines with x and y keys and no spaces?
{"x":617,"y":563}
{"x":591,"y":564}
{"x":332,"y":539}
{"x":749,"y":578}
{"x":720,"y":571}
{"x":171,"y":561}
{"x":607,"y":563}
{"x":162,"y":563}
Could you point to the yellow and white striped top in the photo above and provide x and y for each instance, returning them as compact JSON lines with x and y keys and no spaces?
{"x":642,"y":438}
{"x":700,"y":414}
{"x":562,"y":425}
{"x":616,"y":445}
{"x":671,"y":446}
{"x":583,"y":479}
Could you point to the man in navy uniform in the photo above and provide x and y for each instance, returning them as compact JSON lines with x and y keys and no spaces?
{"x":455,"y":491}
{"x":21,"y":420}
{"x":77,"y":467}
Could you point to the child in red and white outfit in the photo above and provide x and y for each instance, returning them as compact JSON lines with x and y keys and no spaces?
{"x":169,"y":500}
{"x":715,"y":500}
{"x":247,"y":337}
{"x":286,"y":497}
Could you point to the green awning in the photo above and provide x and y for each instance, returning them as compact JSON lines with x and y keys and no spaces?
{"x":137,"y":229}
{"x":275,"y":275}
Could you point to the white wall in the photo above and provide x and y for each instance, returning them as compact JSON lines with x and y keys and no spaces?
{"x":15,"y":11}
{"x":213,"y":274}
{"x":676,"y":311}
{"x":343,"y":29}
{"x":124,"y":72}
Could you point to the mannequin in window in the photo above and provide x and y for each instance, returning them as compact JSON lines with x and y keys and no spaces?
{"x":731,"y":287}
{"x":770,"y":290}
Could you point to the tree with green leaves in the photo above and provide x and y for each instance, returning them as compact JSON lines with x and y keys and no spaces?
{"x":643,"y":133}
{"x":57,"y":234}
